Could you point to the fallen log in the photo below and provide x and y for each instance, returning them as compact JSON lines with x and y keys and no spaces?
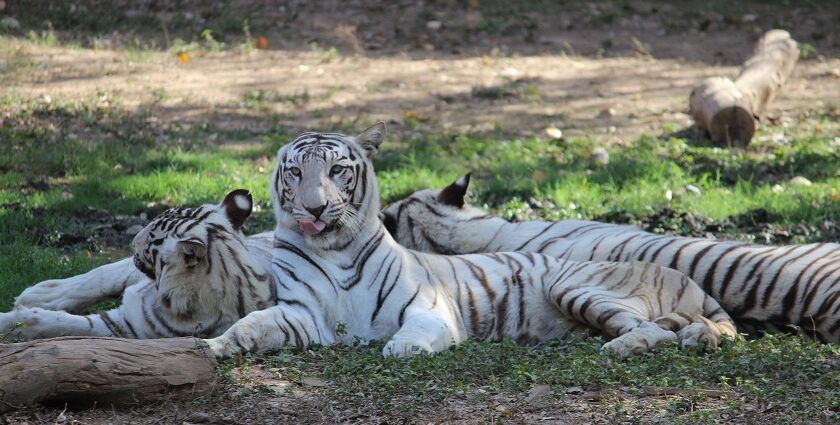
{"x":81,"y":371}
{"x":726,"y":111}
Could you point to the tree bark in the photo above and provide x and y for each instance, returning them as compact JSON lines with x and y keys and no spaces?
{"x":727,"y":110}
{"x":85,"y":370}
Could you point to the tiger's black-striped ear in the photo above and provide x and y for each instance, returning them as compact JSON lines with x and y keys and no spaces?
{"x":371,"y":138}
{"x":454,"y":193}
{"x":238,"y":205}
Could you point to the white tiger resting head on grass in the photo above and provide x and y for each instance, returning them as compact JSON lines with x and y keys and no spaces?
{"x":198,"y":277}
{"x":763,"y":288}
{"x":337,"y":267}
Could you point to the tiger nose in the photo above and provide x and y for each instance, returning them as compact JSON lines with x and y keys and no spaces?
{"x":316,"y":211}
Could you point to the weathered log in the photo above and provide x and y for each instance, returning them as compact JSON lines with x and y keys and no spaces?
{"x":85,"y":370}
{"x":727,"y":111}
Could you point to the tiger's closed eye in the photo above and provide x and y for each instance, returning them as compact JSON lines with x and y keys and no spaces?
{"x":336,"y":169}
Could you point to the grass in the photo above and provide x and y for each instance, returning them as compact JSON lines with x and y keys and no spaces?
{"x":767,"y":376}
{"x":70,"y":174}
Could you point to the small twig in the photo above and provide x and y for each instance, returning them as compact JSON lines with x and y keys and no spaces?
{"x":60,"y":415}
{"x":165,"y":34}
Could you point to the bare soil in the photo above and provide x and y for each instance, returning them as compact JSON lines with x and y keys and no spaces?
{"x":606,"y":72}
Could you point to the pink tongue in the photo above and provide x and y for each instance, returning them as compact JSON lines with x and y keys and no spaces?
{"x":312,"y":227}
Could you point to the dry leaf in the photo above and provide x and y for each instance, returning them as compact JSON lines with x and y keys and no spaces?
{"x":183,"y":57}
{"x":537,"y":392}
{"x":261,"y":42}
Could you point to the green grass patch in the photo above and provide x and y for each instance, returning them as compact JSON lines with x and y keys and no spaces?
{"x":783,"y":377}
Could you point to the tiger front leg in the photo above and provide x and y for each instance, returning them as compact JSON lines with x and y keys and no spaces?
{"x":280,"y":326}
{"x":423,"y":331}
{"x":36,"y":323}
{"x":75,"y":293}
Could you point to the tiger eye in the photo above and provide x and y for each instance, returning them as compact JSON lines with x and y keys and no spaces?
{"x":336,"y":169}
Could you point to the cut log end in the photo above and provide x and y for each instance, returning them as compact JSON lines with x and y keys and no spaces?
{"x":732,"y":127}
{"x":83,"y":371}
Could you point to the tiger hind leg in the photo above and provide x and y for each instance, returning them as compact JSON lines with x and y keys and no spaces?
{"x":75,"y":293}
{"x":624,"y":299}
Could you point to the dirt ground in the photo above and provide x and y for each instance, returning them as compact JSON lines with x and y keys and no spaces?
{"x":609,"y":79}
{"x":607,"y":71}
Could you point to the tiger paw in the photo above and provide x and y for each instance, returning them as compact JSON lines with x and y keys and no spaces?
{"x":695,"y":334}
{"x":221,"y":347}
{"x":229,"y":345}
{"x":406,"y":348}
{"x":639,"y":340}
{"x":20,"y":324}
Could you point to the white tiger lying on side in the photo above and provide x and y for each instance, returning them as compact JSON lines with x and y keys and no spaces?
{"x":763,"y":288}
{"x":336,"y":264}
{"x":194,"y":275}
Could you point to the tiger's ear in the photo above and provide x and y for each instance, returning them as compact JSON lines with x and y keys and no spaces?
{"x":371,"y":138}
{"x":238,"y":205}
{"x":454,"y":193}
{"x":192,"y":251}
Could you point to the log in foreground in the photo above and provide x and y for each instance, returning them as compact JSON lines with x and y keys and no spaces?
{"x":84,"y":370}
{"x":727,"y":110}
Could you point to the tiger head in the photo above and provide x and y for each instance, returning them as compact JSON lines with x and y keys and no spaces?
{"x":185,"y":249}
{"x":429,"y":219}
{"x":324,"y":186}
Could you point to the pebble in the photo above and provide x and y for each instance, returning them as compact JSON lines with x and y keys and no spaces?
{"x":434,"y":25}
{"x":574,"y":390}
{"x":554,"y":132}
{"x":511,"y":72}
{"x":799,"y":181}
{"x":601,"y":156}
{"x":606,"y":113}
{"x":693,"y":189}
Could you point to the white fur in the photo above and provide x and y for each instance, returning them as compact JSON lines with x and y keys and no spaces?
{"x":182,"y":300}
{"x":751,"y":282}
{"x":358,"y":278}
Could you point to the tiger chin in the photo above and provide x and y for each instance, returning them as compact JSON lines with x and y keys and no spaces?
{"x":336,"y":266}
{"x":763,"y":288}
{"x":192,"y":274}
